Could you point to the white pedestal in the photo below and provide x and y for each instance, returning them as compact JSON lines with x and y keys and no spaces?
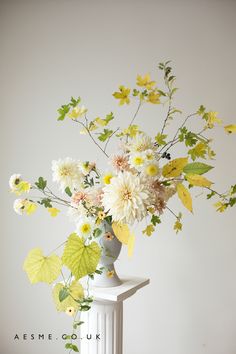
{"x":102,"y":332}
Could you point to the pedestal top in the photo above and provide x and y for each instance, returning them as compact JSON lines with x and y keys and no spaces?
{"x":128,"y":287}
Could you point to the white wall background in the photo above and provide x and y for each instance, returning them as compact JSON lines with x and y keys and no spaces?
{"x":52,"y":49}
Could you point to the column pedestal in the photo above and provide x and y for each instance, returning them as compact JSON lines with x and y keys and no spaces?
{"x":102,"y":331}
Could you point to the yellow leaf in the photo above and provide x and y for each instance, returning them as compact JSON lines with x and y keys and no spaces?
{"x":175,"y":167}
{"x":198,"y":180}
{"x":230,"y":128}
{"x":30,"y":207}
{"x":145,"y":81}
{"x":122,"y":232}
{"x":153,"y":97}
{"x":184,"y":196}
{"x":123,"y":95}
{"x":101,"y":122}
{"x":53,"y":211}
{"x":149,"y":230}
{"x":131,"y":242}
{"x":220,"y":207}
{"x":212,"y":119}
{"x":22,"y":187}
{"x":178,"y":226}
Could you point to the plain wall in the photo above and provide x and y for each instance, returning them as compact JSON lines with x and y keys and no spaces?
{"x":52,"y":49}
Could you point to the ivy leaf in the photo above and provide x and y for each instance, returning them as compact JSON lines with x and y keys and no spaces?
{"x":198,"y":168}
{"x":197,"y":180}
{"x":40,"y":268}
{"x":72,"y":295}
{"x":105,"y":134}
{"x":160,"y":139}
{"x":74,"y":102}
{"x":155,"y":220}
{"x":175,"y":167}
{"x":184,"y":196}
{"x":79,"y":258}
{"x":41,"y":183}
{"x":149,"y":230}
{"x":199,"y":150}
{"x":46,"y":202}
{"x":178,"y":226}
{"x":63,"y":110}
{"x":68,"y":191}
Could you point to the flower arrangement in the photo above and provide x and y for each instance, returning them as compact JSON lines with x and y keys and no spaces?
{"x":142,"y":178}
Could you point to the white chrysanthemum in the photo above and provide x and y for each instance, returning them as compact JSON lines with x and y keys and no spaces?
{"x":14,"y":181}
{"x":126,"y":198}
{"x":67,"y":173}
{"x":137,"y":160}
{"x":19,"y":206}
{"x":141,"y":143}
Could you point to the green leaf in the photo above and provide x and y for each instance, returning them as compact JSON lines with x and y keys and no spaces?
{"x":63,"y":110}
{"x":79,"y":258}
{"x":63,"y":293}
{"x":198,"y":168}
{"x":160,"y":139}
{"x":68,"y":191}
{"x":97,"y":232}
{"x":41,"y":183}
{"x":72,"y":347}
{"x":155,"y":220}
{"x":46,"y":202}
{"x":109,"y":117}
{"x":74,"y":102}
{"x":77,"y":324}
{"x":75,"y":294}
{"x":40,"y":268}
{"x":105,"y":134}
{"x":201,"y":110}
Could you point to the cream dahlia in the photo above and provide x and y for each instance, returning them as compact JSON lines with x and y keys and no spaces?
{"x":67,"y":173}
{"x":126,"y":198}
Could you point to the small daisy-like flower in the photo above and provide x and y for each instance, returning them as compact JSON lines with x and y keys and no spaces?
{"x":152,"y":170}
{"x":137,"y":161}
{"x":101,"y":215}
{"x":85,"y":227}
{"x":110,"y":273}
{"x":108,"y":236}
{"x":107,"y":178}
{"x":86,"y":167}
{"x":150,"y":155}
{"x":120,"y":163}
{"x":70,"y":311}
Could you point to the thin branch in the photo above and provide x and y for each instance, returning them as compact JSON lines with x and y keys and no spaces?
{"x":91,"y":136}
{"x":135,"y":114}
{"x":115,"y":131}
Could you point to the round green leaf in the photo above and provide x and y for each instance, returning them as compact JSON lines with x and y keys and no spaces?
{"x":79,"y":258}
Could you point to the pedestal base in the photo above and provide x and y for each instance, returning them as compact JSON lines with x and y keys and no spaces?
{"x":102,"y":331}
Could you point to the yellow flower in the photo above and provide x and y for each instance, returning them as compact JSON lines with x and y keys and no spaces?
{"x":77,"y":112}
{"x":212,"y":119}
{"x":85,"y":228}
{"x":53,"y":211}
{"x":152,"y":170}
{"x":110,"y":273}
{"x":153,"y":97}
{"x":123,"y":95}
{"x":101,"y":215}
{"x":145,"y":81}
{"x":70,"y":311}
{"x":107,"y":178}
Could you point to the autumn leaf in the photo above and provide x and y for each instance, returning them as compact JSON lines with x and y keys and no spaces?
{"x":175,"y":167}
{"x":198,"y":180}
{"x":53,"y":211}
{"x":230,"y":128}
{"x":123,"y":95}
{"x":184,"y":196}
{"x":149,"y":230}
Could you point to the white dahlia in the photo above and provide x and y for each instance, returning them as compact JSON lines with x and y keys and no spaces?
{"x":67,"y":173}
{"x":141,"y":143}
{"x":126,"y":198}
